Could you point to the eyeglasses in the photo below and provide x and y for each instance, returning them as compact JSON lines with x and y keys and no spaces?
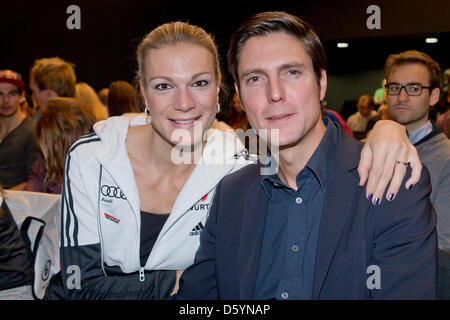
{"x":412,"y":89}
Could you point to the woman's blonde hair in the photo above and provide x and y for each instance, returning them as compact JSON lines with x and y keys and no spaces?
{"x":61,"y":122}
{"x":87,"y":95}
{"x":173,"y":33}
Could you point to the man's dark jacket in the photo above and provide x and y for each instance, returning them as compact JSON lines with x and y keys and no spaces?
{"x":360,"y":245}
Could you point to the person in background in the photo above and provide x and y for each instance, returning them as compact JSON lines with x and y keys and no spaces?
{"x":378,"y":95}
{"x":122,"y":99}
{"x":357,"y":122}
{"x":62,"y":121}
{"x":16,"y":273}
{"x":413,"y":81}
{"x":383,"y":114}
{"x":336,"y":117}
{"x":28,"y":106}
{"x":443,"y":120}
{"x":17,"y":140}
{"x":237,"y":118}
{"x":87,"y":95}
{"x":103,"y":95}
{"x":51,"y":78}
{"x":443,"y":123}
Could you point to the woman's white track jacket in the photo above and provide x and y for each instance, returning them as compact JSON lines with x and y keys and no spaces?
{"x":100,"y":225}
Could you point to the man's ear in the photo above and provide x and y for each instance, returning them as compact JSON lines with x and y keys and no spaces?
{"x":323,"y":84}
{"x":434,"y":96}
{"x":236,"y":87}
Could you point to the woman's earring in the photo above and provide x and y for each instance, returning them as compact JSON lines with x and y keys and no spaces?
{"x":218,"y":108}
{"x":147,"y":114}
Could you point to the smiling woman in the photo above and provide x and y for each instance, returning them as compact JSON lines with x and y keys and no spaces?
{"x":134,"y":246}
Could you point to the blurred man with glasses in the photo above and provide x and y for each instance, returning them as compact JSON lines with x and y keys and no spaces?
{"x":413,"y":80}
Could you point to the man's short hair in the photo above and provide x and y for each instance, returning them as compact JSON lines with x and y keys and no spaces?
{"x":269,"y":22}
{"x":55,"y":74}
{"x":370,"y":97}
{"x":414,"y":56}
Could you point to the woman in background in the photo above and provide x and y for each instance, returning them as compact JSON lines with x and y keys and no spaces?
{"x":236,"y":116}
{"x":87,"y":95}
{"x":122,"y":98}
{"x":62,"y":121}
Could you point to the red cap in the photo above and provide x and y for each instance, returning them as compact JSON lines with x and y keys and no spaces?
{"x":12,"y":77}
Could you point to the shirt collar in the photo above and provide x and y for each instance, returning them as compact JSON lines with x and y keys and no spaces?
{"x":420,"y":133}
{"x":318,"y":164}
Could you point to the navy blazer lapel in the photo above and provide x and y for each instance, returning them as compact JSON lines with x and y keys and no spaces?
{"x":252,"y":230}
{"x":341,"y":188}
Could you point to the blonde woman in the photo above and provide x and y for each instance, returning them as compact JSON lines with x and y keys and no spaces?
{"x":87,"y":95}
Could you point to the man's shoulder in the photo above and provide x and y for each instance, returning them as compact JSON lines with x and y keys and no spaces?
{"x":354,"y":116}
{"x":436,"y":148}
{"x":242,"y":177}
{"x":26,"y":128}
{"x":28,"y":123}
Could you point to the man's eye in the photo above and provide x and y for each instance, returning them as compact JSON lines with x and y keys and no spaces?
{"x":293,"y":72}
{"x":162,"y":86}
{"x":200,"y":83}
{"x":414,"y":88}
{"x":253,"y":79}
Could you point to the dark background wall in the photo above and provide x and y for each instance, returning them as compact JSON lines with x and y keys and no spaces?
{"x":103,"y":50}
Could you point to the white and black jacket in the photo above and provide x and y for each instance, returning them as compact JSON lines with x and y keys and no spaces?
{"x":100,"y":225}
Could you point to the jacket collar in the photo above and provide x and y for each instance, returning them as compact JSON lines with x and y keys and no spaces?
{"x":256,"y":202}
{"x":215,"y":163}
{"x":337,"y":206}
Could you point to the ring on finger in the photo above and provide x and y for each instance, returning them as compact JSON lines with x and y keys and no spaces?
{"x":405,"y":163}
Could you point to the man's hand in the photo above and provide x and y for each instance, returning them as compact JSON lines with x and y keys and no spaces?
{"x":387,"y":144}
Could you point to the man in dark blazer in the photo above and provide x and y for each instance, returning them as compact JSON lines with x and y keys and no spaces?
{"x":306,"y":231}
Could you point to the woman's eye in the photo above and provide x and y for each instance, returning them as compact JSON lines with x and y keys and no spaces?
{"x":162,"y":86}
{"x":200,"y":83}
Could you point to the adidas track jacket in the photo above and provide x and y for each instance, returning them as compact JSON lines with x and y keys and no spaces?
{"x":100,"y":225}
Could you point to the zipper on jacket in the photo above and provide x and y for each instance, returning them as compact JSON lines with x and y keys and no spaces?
{"x":141,"y":274}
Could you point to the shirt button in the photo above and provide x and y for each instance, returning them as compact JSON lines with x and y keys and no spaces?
{"x":285,"y":295}
{"x":299,"y":200}
{"x":294,"y":248}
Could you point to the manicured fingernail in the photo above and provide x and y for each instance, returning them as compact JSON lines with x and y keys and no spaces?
{"x":370,"y":196}
{"x":391,"y":196}
{"x":377,"y":201}
{"x":410,"y":187}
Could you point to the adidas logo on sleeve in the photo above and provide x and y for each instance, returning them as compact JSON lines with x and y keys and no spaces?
{"x":197,"y":229}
